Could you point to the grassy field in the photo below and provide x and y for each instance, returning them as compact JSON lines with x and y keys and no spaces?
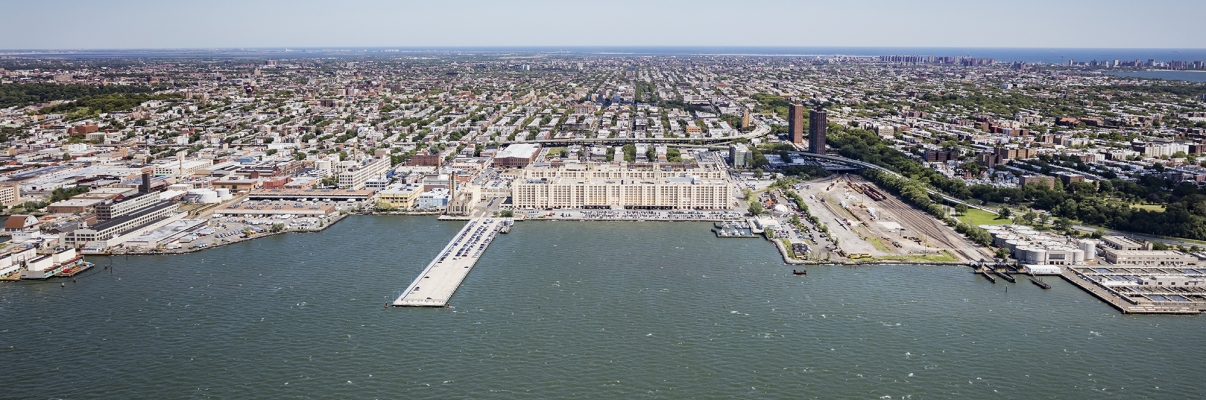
{"x":942,"y":257}
{"x":975,"y":217}
{"x":1149,"y":207}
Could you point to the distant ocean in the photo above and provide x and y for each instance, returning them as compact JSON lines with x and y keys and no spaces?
{"x":1030,"y":55}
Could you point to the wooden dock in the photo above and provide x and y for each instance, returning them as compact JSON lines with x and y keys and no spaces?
{"x":436,"y":284}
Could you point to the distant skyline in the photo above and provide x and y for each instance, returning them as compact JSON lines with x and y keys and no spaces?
{"x":143,"y":24}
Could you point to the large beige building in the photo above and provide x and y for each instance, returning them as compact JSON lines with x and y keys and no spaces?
{"x":1151,"y":258}
{"x":652,"y":186}
{"x":9,"y":194}
{"x":353,"y":175}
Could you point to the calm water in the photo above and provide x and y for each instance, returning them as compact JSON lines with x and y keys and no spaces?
{"x":1192,"y":76}
{"x":557,"y":310}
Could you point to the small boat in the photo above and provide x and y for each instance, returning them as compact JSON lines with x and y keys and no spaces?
{"x":799,"y":272}
{"x":1039,"y":283}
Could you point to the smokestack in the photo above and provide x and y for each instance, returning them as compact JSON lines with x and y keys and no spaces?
{"x":146,"y":183}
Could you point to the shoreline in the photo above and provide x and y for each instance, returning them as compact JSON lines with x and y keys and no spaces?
{"x":778,"y":245}
{"x":189,"y":249}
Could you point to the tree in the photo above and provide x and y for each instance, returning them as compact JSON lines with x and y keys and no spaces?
{"x":1063,"y":224}
{"x":384,"y":206}
{"x":1002,"y":253}
{"x":1029,"y":217}
{"x":756,"y":207}
{"x":961,"y":209}
{"x":758,"y":173}
{"x":674,"y":155}
{"x":329,"y":181}
{"x":629,"y":152}
{"x":277,"y":227}
{"x":1004,"y":213}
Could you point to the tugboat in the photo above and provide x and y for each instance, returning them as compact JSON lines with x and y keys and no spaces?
{"x":799,"y":272}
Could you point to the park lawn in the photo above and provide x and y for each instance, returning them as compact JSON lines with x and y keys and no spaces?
{"x":1149,"y":207}
{"x":977,"y":217}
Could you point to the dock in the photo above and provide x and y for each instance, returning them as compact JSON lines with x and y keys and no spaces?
{"x":436,"y":284}
{"x":1121,"y":302}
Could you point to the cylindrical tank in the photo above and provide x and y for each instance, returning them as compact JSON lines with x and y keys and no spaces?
{"x":1013,"y":244}
{"x":1090,"y":249}
{"x":205,"y":196}
{"x":209,"y":197}
{"x":1039,"y":256}
{"x":1022,"y":253}
{"x":1078,"y":256}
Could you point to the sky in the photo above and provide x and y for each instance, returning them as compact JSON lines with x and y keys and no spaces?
{"x":158,"y":24}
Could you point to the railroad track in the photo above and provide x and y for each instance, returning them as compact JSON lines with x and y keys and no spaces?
{"x":931,"y":227}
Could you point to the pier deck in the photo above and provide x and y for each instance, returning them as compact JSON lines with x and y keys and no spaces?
{"x":436,"y":284}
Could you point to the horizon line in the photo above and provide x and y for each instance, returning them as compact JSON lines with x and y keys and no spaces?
{"x":444,"y":47}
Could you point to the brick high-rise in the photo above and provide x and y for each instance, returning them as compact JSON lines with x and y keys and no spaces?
{"x":795,"y":123}
{"x":816,"y":131}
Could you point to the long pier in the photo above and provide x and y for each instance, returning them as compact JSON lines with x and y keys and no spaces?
{"x":436,"y":284}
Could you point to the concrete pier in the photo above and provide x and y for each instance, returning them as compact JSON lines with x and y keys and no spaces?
{"x":436,"y":284}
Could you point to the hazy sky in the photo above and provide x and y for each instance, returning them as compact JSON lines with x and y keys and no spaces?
{"x":72,"y":24}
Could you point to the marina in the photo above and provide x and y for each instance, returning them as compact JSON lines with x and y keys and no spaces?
{"x":436,"y":284}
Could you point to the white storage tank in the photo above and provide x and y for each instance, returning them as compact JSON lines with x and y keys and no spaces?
{"x":1022,"y":253}
{"x":1078,"y":256}
{"x":209,"y":197}
{"x":205,"y":196}
{"x":1040,"y":256}
{"x":1013,"y":244}
{"x":1090,"y":249}
{"x":224,"y":194}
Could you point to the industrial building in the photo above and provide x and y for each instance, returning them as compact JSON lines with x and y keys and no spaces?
{"x":1031,"y":247}
{"x":310,"y":194}
{"x":401,"y":195}
{"x":122,"y":225}
{"x":518,"y":155}
{"x":1151,"y":258}
{"x":608,"y":186}
{"x":354,"y":175}
{"x":261,"y":209}
{"x":184,"y":168}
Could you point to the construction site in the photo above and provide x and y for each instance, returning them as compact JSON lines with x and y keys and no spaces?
{"x":855,"y":221}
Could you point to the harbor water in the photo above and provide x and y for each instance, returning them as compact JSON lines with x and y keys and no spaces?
{"x":570,"y":309}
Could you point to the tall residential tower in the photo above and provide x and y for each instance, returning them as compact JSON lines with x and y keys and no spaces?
{"x":816,"y":131}
{"x":795,"y":122}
